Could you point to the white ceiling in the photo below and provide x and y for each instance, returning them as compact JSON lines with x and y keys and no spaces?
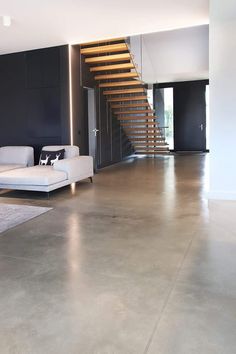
{"x":44,"y":23}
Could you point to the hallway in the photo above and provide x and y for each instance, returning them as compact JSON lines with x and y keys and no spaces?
{"x":138,"y":262}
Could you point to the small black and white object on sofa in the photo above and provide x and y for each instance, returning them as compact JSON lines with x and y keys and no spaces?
{"x":46,"y":178}
{"x":50,"y":157}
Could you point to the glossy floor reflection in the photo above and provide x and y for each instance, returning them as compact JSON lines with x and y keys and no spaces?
{"x":138,"y":262}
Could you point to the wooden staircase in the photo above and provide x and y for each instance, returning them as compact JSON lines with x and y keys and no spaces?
{"x":117,"y":75}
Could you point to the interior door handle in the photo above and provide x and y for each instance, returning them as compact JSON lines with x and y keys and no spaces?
{"x":201,"y":127}
{"x":95,"y":131}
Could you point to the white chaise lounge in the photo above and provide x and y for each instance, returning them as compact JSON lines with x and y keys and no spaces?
{"x":72,"y":168}
{"x":12,"y":157}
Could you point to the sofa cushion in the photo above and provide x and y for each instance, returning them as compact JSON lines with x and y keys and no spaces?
{"x":70,"y":150}
{"x":35,"y":176}
{"x":22,"y":155}
{"x":8,"y":167}
{"x":50,"y":157}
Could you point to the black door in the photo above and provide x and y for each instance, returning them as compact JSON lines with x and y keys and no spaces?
{"x":190,"y":116}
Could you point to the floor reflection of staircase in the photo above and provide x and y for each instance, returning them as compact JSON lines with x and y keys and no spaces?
{"x":117,"y":75}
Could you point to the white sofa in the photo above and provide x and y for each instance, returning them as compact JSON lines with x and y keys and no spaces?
{"x":12,"y":157}
{"x":72,"y":168}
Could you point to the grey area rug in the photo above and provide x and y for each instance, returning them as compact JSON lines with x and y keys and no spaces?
{"x":12,"y":215}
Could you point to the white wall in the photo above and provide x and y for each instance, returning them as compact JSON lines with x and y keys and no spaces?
{"x":222,"y":99}
{"x":142,"y":59}
{"x":136,"y":50}
{"x":176,"y":55}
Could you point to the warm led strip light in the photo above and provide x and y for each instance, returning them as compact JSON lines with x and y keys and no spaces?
{"x":70,"y":97}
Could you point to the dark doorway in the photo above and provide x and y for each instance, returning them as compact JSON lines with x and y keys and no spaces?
{"x":190,"y":116}
{"x":190,"y":124}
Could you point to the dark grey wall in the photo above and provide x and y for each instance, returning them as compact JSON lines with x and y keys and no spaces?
{"x":34,"y":102}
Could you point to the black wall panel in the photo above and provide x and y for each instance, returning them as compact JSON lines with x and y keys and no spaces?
{"x":12,"y":71}
{"x":34,"y":98}
{"x":43,"y":112}
{"x":43,"y":68}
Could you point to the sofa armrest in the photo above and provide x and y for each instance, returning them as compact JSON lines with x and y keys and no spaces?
{"x":76,"y":167}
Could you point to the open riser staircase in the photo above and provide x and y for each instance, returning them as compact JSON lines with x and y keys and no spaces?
{"x":118,"y":77}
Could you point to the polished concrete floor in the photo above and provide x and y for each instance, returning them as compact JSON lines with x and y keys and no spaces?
{"x":137,"y":262}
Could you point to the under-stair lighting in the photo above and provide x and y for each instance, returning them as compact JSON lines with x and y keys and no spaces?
{"x":70,"y":96}
{"x":6,"y":21}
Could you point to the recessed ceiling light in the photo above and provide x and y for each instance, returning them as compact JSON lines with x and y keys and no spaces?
{"x":6,"y":21}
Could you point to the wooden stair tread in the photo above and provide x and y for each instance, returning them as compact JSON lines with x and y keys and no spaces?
{"x":154,"y":148}
{"x":138,"y":123}
{"x":110,"y":48}
{"x":130,"y":98}
{"x":146,"y":139}
{"x":124,"y":66}
{"x":144,"y":111}
{"x":121,"y":83}
{"x":143,"y":129}
{"x":136,"y":118}
{"x":116,"y":76}
{"x":145,"y":135}
{"x":108,"y":58}
{"x":122,"y":92}
{"x":135,"y":105}
{"x":150,"y":148}
{"x":103,"y":41}
{"x":151,"y":152}
{"x":144,"y":144}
